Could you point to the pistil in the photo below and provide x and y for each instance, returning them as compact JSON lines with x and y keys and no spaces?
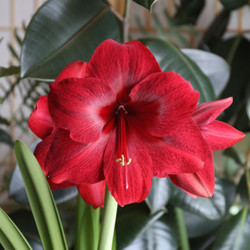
{"x":122,"y":142}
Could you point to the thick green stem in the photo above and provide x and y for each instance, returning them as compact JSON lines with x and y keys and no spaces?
{"x":87,"y":226}
{"x":126,"y":21}
{"x":108,"y":222}
{"x":182,"y":229}
{"x":247,"y":174}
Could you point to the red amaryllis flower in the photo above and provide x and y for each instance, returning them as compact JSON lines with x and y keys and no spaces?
{"x":218,"y":135}
{"x":115,"y":120}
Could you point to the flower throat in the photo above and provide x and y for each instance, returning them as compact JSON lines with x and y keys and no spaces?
{"x":122,"y":158}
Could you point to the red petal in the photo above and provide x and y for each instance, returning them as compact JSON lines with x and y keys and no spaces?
{"x":40,"y":121}
{"x":75,"y":104}
{"x":200,"y":183}
{"x":68,"y":161}
{"x":75,"y":69}
{"x":220,"y":135}
{"x":122,"y":65}
{"x":131,"y":183}
{"x":93,"y":194}
{"x":183,"y":152}
{"x":208,"y":111}
{"x":162,"y":102}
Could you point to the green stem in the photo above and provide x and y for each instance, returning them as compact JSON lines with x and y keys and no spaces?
{"x":182,"y":229}
{"x":108,"y":222}
{"x":126,"y":21}
{"x":247,"y":174}
{"x":87,"y":226}
{"x":233,"y":50}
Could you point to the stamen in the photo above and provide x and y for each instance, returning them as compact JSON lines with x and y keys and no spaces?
{"x":122,"y":161}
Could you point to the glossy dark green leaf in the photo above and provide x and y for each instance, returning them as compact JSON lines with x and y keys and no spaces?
{"x":234,"y":234}
{"x":133,"y":220}
{"x":215,"y":31}
{"x":188,"y":11}
{"x":12,"y":70}
{"x":5,"y":138}
{"x":159,"y":194}
{"x":162,"y":234}
{"x":146,"y":3}
{"x":10,"y":236}
{"x":233,"y":4}
{"x":210,"y":208}
{"x":18,"y":193}
{"x":40,"y":198}
{"x":171,"y":58}
{"x":212,"y":65}
{"x":63,"y":31}
{"x":236,"y":51}
{"x":194,"y":222}
{"x":206,"y":226}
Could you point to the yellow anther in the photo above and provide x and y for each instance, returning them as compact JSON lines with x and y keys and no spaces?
{"x":122,"y":160}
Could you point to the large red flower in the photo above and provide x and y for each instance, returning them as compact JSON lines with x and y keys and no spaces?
{"x":118,"y":119}
{"x":218,"y":135}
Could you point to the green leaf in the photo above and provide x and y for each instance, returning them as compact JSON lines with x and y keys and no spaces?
{"x":171,"y":58}
{"x":12,"y":70}
{"x":188,"y":12}
{"x":206,"y":226}
{"x":210,"y":208}
{"x":87,"y":226}
{"x":236,"y":51}
{"x":74,"y":32}
{"x":234,"y":234}
{"x":218,"y":71}
{"x":161,"y":234}
{"x":41,"y":201}
{"x":5,"y":138}
{"x":243,"y":190}
{"x":132,"y":220}
{"x":233,"y":4}
{"x":148,"y":4}
{"x":17,"y":189}
{"x":159,"y":195}
{"x":215,"y":31}
{"x":10,"y":236}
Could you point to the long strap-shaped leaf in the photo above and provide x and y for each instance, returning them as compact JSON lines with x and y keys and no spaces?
{"x":10,"y":236}
{"x":40,"y":198}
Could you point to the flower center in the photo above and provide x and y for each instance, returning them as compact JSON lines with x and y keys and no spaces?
{"x":122,"y":157}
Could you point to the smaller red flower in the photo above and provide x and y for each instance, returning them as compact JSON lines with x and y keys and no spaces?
{"x":218,"y":136}
{"x":43,"y":126}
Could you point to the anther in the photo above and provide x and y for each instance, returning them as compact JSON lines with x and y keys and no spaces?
{"x":122,"y":161}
